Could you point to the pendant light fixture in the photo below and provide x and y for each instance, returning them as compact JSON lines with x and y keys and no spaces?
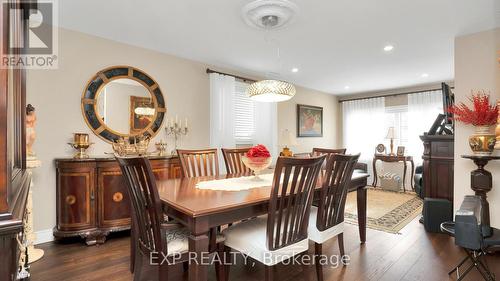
{"x":270,"y":14}
{"x":271,"y":91}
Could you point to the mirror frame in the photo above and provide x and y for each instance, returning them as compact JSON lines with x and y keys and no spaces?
{"x":99,"y":81}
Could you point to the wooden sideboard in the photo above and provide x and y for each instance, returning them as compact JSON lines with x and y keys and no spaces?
{"x":438,"y":166}
{"x":92,"y":197}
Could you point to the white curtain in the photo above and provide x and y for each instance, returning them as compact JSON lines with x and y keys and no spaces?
{"x":266,"y":126}
{"x":221,"y":113}
{"x":423,"y":108}
{"x":363,"y":128}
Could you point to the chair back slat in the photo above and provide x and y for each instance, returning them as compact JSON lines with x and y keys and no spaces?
{"x":199,"y":163}
{"x":291,"y":197}
{"x":146,"y":205}
{"x":232,"y":159}
{"x":338,"y":176}
{"x":328,"y":152}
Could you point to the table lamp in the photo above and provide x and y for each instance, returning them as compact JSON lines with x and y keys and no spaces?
{"x":287,"y":140}
{"x":391,"y":135}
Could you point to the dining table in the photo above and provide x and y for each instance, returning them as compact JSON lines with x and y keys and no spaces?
{"x":201,"y":210}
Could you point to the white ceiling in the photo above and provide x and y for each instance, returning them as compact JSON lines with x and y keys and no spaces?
{"x":333,"y":43}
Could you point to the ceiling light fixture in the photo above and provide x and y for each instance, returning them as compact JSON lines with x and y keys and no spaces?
{"x":347,"y":87}
{"x":388,"y":48}
{"x":424,"y":75}
{"x":271,"y":91}
{"x":295,"y":70}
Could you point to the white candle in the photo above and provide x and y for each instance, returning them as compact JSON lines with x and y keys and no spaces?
{"x":186,"y":122}
{"x":176,"y":121}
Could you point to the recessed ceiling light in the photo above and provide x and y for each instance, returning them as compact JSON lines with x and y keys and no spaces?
{"x":424,"y":75}
{"x":347,"y":87}
{"x":388,"y":48}
{"x":295,"y":70}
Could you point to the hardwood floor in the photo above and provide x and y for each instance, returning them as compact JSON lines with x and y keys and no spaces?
{"x":411,"y":255}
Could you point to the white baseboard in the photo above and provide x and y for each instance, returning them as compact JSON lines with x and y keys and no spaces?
{"x":44,"y":236}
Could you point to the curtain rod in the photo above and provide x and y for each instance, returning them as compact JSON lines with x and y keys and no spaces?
{"x":244,"y":79}
{"x":392,"y":95}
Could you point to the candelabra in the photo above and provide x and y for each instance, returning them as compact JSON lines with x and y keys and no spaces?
{"x":176,"y":130}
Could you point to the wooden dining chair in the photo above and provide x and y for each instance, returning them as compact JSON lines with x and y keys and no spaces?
{"x":199,"y":163}
{"x":328,"y":152}
{"x":232,"y":159}
{"x":281,"y":234}
{"x":327,"y":220}
{"x":153,"y":237}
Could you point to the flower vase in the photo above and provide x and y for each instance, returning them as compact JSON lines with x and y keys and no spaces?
{"x":482,"y":142}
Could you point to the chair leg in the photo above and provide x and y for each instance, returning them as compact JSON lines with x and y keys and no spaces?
{"x":269,"y":273}
{"x":138,"y":268}
{"x":219,"y":264}
{"x":227,"y":263}
{"x":185,"y":266}
{"x":319,"y":268}
{"x":341,"y":245}
{"x":306,"y":268}
{"x":213,"y":239}
{"x":132,"y":250}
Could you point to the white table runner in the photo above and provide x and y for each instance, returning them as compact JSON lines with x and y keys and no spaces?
{"x":237,"y":184}
{"x":245,"y":183}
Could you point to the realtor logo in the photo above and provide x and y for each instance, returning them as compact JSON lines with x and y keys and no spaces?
{"x":38,"y":49}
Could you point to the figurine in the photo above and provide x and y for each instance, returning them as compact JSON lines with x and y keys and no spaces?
{"x":30,"y":130}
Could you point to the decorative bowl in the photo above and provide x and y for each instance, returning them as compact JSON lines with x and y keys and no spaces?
{"x":257,"y":164}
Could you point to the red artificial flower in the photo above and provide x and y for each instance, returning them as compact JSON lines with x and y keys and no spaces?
{"x":482,"y":113}
{"x":258,"y":151}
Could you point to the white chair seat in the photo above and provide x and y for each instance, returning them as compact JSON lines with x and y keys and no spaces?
{"x":321,"y":236}
{"x":250,"y":238}
{"x":178,"y":240}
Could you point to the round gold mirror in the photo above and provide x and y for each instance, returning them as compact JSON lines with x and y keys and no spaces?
{"x":123,"y":101}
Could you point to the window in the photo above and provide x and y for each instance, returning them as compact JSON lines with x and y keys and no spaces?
{"x":244,"y":116}
{"x":397,"y":117}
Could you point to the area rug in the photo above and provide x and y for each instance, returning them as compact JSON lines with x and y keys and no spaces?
{"x":387,"y":211}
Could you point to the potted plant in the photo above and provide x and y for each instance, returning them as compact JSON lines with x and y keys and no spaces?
{"x":482,"y":116}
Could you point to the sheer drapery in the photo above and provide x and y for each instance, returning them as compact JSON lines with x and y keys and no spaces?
{"x":266,"y":126}
{"x":222,"y":89}
{"x":423,"y":108}
{"x":363,"y":127}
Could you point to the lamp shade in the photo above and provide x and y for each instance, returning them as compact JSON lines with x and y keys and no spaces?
{"x":271,"y":91}
{"x":287,"y":139}
{"x":391,"y":133}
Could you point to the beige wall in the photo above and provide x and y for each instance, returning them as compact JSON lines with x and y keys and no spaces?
{"x":287,"y":119}
{"x":56,"y":95}
{"x":476,"y":68}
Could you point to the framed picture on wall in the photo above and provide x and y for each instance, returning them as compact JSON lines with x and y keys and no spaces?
{"x":401,"y":151}
{"x":309,"y":121}
{"x":141,"y":113}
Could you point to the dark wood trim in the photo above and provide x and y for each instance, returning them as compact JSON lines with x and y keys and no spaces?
{"x":392,"y":95}
{"x":4,"y":178}
{"x":14,"y":178}
{"x":244,"y":79}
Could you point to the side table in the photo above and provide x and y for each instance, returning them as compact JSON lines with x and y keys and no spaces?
{"x":394,"y":158}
